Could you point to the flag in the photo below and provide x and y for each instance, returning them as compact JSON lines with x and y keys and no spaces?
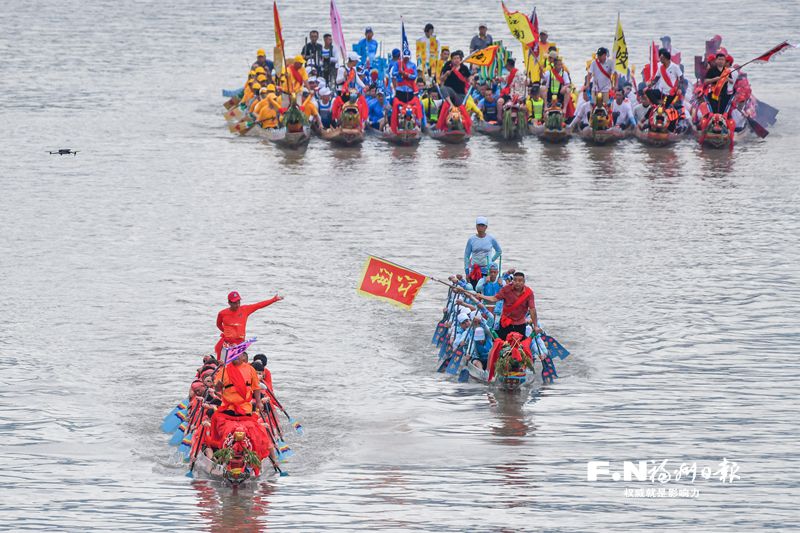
{"x":484,"y":57}
{"x":388,"y":281}
{"x":620,"y":50}
{"x":278,"y":28}
{"x":535,"y":27}
{"x":235,"y":351}
{"x":405,"y":49}
{"x":766,"y":56}
{"x":336,"y":31}
{"x":520,"y":26}
{"x":651,"y":70}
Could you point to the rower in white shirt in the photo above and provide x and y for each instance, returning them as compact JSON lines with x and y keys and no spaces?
{"x":622,"y":112}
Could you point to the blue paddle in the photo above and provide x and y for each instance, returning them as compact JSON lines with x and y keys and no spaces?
{"x":554,"y":347}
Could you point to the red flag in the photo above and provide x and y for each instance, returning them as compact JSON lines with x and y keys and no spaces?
{"x":278,"y":27}
{"x":766,"y":56}
{"x":649,"y":71}
{"x":387,"y":281}
{"x":535,"y":27}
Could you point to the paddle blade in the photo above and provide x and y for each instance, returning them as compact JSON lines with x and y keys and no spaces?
{"x":455,"y":363}
{"x":298,"y":427}
{"x":444,"y":364}
{"x":463,"y":376}
{"x":284,"y":473}
{"x":177,"y":437}
{"x":173,"y":422}
{"x":189,"y":474}
{"x":760,"y":130}
{"x":554,"y":347}
{"x":185,"y":445}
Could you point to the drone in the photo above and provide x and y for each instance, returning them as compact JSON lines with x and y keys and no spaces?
{"x":64,"y":151}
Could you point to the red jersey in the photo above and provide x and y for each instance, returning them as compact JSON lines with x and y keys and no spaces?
{"x":512,"y":308}
{"x":233,"y":324}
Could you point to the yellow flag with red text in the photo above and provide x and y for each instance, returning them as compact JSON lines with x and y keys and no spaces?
{"x":388,"y":281}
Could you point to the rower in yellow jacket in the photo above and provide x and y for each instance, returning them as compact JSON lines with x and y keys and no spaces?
{"x":268,"y":108}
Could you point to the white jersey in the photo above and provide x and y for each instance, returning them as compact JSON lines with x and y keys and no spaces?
{"x":582,"y":113}
{"x":600,"y":82}
{"x":625,"y":112}
{"x":341,"y":76}
{"x":674,"y":73}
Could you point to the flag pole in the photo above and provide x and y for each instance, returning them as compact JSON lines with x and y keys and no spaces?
{"x":451,"y":285}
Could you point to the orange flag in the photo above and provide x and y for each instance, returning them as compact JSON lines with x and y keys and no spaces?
{"x":387,"y":281}
{"x":484,"y":57}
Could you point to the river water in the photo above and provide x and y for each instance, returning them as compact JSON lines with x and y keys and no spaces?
{"x":670,"y":274}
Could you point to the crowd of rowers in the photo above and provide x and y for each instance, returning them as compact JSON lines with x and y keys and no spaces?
{"x":425,"y":88}
{"x":487,"y":304}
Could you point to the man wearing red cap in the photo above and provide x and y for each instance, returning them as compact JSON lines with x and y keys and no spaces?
{"x":232,"y":322}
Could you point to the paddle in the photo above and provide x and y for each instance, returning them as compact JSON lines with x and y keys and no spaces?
{"x":298,"y":427}
{"x":441,"y":328}
{"x":548,"y":367}
{"x":463,"y":376}
{"x":759,"y":130}
{"x":455,"y":363}
{"x":554,"y":347}
{"x":274,"y":447}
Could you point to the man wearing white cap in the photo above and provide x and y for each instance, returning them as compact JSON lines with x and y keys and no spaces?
{"x":347,"y":77}
{"x":325,"y":107}
{"x":478,"y":253}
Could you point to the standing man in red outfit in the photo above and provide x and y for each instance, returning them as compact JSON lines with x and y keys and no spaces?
{"x":232,"y":322}
{"x":518,"y":301}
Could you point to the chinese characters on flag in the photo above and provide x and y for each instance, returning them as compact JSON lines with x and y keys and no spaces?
{"x":387,"y":281}
{"x":484,"y":57}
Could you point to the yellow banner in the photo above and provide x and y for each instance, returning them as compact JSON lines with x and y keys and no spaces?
{"x":620,"y":50}
{"x":519,"y":25}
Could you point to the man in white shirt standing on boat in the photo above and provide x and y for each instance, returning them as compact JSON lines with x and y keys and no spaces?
{"x":601,"y":70}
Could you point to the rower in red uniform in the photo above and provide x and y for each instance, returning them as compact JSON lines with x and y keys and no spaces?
{"x":232,"y":322}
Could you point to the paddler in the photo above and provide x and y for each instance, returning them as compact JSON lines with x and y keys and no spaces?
{"x":267,"y":111}
{"x":518,"y":301}
{"x":324,"y":106}
{"x":404,"y":78}
{"x":238,"y":385}
{"x":478,"y":252}
{"x":347,"y":77}
{"x":263,"y":62}
{"x":455,"y":77}
{"x":232,"y":321}
{"x":489,"y":105}
{"x":719,"y":82}
{"x":297,"y":77}
{"x":665,"y":85}
{"x":308,"y":107}
{"x":556,"y":82}
{"x":535,"y":104}
{"x":622,"y":112}
{"x":601,"y":71}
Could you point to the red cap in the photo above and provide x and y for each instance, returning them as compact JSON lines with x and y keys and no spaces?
{"x":729,"y":59}
{"x":711,"y":57}
{"x":233,"y":296}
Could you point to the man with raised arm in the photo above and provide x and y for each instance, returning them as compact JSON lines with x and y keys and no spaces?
{"x":232,"y":321}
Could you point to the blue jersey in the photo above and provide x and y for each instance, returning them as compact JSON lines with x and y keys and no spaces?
{"x":405,"y":83}
{"x":478,"y":251}
{"x":367,"y":50}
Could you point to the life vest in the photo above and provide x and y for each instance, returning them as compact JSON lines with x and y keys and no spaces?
{"x":536,"y":108}
{"x":556,"y":81}
{"x":490,"y":111}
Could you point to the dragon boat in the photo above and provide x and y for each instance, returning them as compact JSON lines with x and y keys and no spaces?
{"x":225,"y":444}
